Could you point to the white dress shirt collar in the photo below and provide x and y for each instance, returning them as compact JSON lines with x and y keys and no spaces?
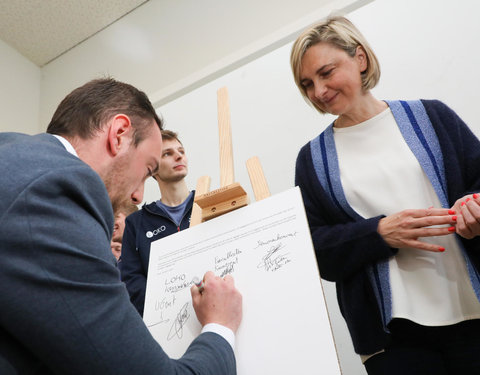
{"x":68,"y":146}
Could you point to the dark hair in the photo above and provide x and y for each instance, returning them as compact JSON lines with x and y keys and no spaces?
{"x":88,"y":108}
{"x":168,"y":135}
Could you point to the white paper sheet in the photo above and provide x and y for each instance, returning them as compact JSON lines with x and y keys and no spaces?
{"x":267,"y":248}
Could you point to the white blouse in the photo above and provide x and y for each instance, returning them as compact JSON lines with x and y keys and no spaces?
{"x":380,"y":175}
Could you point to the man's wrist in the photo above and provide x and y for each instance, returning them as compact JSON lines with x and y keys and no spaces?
{"x":221,"y":330}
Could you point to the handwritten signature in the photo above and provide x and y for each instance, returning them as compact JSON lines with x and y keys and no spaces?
{"x":160,"y":321}
{"x":230,"y":254}
{"x":160,"y":306}
{"x":273,"y":260}
{"x":228,"y":269}
{"x":177,"y":327}
{"x":226,"y":264}
{"x":165,"y":303}
{"x":278,"y":237}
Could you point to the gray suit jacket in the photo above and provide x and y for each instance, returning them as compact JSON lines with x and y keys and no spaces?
{"x":63,"y":308}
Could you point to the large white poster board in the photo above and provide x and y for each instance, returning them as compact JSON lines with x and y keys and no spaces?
{"x":267,"y":248}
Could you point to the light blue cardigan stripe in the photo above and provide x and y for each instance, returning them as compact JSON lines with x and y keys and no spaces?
{"x":423,"y":142}
{"x":426,"y":147}
{"x":324,"y":152}
{"x":420,"y":136}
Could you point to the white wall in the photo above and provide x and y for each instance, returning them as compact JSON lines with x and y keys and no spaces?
{"x":19,"y":92}
{"x":162,"y":44}
{"x":427,"y":49}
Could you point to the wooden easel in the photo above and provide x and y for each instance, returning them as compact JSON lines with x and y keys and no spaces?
{"x":230,"y":196}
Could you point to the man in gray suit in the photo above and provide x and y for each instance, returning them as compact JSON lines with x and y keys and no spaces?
{"x":63,"y":308}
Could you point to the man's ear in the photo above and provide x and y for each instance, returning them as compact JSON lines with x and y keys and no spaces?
{"x":119,"y":133}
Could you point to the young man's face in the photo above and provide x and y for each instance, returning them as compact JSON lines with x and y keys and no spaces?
{"x":174,"y":162}
{"x":118,"y":227}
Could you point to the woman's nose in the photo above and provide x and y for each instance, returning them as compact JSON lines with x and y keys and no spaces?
{"x":320,"y":90}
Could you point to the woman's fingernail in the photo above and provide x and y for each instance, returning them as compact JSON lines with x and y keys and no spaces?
{"x":441,"y":249}
{"x":454,"y":218}
{"x":451,"y":229}
{"x":475,"y":196}
{"x":463,"y":204}
{"x":468,"y":199}
{"x":451,"y":212}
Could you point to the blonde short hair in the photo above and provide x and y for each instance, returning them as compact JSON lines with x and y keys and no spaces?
{"x":341,"y":33}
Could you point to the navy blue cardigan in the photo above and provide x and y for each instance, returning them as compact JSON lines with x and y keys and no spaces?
{"x":141,"y":229}
{"x":348,"y":247}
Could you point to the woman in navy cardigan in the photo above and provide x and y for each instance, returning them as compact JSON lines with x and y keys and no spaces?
{"x":390,"y":194}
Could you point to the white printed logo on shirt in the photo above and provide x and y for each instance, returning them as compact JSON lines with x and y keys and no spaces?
{"x":150,"y":233}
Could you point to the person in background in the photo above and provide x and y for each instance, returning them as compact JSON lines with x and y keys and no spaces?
{"x":168,"y":215}
{"x":390,"y":194}
{"x":64,"y":307}
{"x":119,"y":227}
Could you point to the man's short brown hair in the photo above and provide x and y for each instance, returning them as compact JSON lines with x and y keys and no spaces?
{"x":168,"y":135}
{"x":88,"y":108}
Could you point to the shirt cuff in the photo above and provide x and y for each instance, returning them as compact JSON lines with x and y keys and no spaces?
{"x":223,"y":331}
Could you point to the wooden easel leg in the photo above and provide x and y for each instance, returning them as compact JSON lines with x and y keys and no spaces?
{"x":257,"y":179}
{"x":227,"y":175}
{"x":203,"y":187}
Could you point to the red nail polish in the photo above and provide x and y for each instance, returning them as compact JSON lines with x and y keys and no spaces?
{"x":463,"y":204}
{"x":454,"y":218}
{"x":475,"y":196}
{"x":468,"y":199}
{"x":441,"y":249}
{"x":451,"y":229}
{"x":451,"y":212}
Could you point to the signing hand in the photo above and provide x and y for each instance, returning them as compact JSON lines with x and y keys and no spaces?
{"x":219,"y":302}
{"x":468,"y":222}
{"x":404,"y":228}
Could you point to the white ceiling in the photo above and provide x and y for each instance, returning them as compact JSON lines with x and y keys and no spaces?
{"x":42,"y":30}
